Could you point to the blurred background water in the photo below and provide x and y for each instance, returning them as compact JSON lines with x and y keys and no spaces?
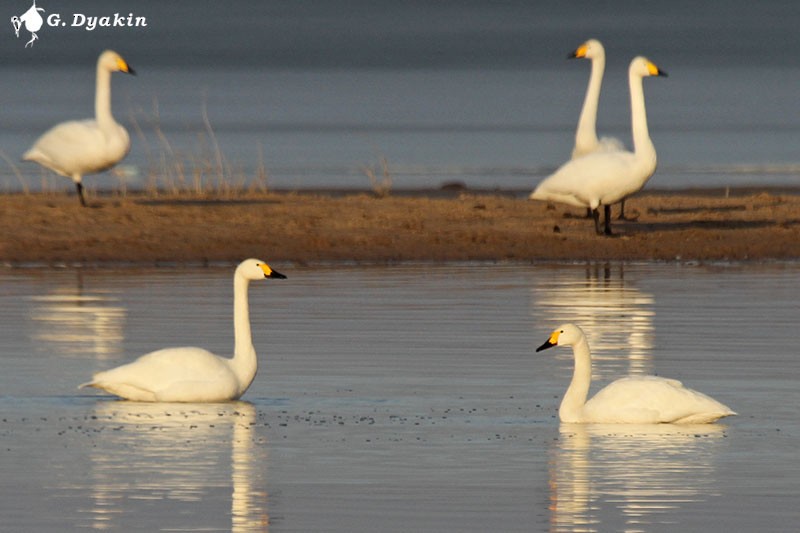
{"x":307,"y":94}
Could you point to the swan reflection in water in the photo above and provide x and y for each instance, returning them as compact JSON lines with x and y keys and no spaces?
{"x":72,"y":320}
{"x":602,"y":301}
{"x":606,"y":475}
{"x":178,"y":466}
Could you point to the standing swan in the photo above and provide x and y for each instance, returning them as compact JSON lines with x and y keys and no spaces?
{"x":75,"y":148}
{"x":630,"y":400}
{"x":605,"y":178}
{"x":586,"y":141}
{"x":193,"y":374}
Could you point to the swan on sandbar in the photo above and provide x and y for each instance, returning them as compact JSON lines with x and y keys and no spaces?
{"x":586,"y":140}
{"x":192,"y":374}
{"x":605,"y":178}
{"x":78,"y":147}
{"x":629,"y":400}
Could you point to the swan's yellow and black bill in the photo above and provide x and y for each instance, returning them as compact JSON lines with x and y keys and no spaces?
{"x":269,"y":273}
{"x":579,"y":52}
{"x":549,"y":343}
{"x":125,"y":67}
{"x":655,"y":71}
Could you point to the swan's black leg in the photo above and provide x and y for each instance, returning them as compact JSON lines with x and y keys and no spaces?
{"x":596,"y":217}
{"x":79,"y":186}
{"x":607,"y":212}
{"x":622,"y":213}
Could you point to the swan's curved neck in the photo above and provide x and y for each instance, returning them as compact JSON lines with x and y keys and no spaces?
{"x":244,"y":362}
{"x":586,"y":134}
{"x":102,"y":97}
{"x":575,"y":397}
{"x":642,"y":145}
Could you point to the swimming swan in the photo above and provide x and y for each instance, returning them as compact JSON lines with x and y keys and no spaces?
{"x":193,"y":374}
{"x":586,"y":141}
{"x":629,"y":400}
{"x":605,"y":178}
{"x":80,"y":147}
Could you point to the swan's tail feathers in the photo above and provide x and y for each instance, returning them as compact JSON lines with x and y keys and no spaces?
{"x":539,"y":194}
{"x":726,"y":411}
{"x":87,"y":384}
{"x":707,"y":417}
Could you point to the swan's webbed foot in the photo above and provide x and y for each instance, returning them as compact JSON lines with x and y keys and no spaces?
{"x":33,"y":38}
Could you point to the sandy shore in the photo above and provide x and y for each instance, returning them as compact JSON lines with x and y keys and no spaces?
{"x":424,"y":226}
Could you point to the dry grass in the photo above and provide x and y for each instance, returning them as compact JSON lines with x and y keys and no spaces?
{"x":20,"y":178}
{"x":380,"y":180}
{"x":203,"y":172}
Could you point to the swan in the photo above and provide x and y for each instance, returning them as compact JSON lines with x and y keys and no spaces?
{"x":586,"y":141}
{"x":605,"y":178}
{"x":75,"y":148}
{"x":629,"y":400}
{"x":191,"y":374}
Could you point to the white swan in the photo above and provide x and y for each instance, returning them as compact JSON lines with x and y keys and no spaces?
{"x":75,"y":148}
{"x":630,"y":400}
{"x":193,"y":374}
{"x":586,"y":141}
{"x":605,"y":178}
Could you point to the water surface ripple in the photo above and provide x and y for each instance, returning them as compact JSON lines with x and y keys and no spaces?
{"x":402,"y":398}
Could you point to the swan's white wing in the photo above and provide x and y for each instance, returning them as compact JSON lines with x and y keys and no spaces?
{"x":604,"y":144}
{"x":589,"y":181}
{"x":168,"y":374}
{"x":610,"y":144}
{"x":546,"y":192}
{"x":79,"y":146}
{"x":651,"y":399}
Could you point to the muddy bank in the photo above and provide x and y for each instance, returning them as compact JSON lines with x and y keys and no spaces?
{"x":422,"y":226}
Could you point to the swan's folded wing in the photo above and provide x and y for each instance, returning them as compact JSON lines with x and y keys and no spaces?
{"x":667,"y":401}
{"x":153,"y":375}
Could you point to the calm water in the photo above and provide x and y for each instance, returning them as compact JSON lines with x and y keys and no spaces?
{"x":476,"y":92}
{"x":401,"y":399}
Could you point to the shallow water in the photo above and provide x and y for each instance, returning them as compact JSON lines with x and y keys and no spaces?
{"x":401,"y":398}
